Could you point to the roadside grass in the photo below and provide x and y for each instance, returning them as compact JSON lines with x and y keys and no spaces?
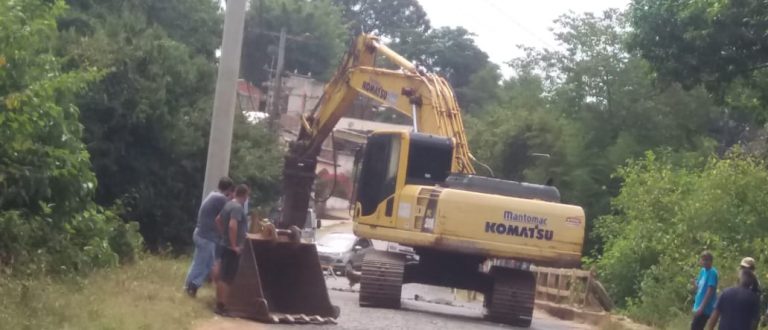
{"x":680,"y":322}
{"x":622,"y":323}
{"x":145,"y":295}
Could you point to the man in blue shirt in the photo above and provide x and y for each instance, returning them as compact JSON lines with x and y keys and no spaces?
{"x":206,"y":236}
{"x":706,"y":292}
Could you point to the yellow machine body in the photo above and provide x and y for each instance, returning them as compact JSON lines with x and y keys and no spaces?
{"x":454,"y":220}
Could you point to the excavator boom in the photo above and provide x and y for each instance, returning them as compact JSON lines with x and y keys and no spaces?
{"x":427,"y":98}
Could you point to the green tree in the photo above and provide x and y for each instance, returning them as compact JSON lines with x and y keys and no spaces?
{"x":507,"y":135}
{"x":392,"y":19}
{"x":256,"y":160}
{"x":591,"y":106}
{"x":317,"y":25}
{"x":48,"y":222}
{"x":671,"y":208}
{"x":452,"y":53}
{"x":483,"y":89}
{"x":609,"y":92}
{"x":145,"y":121}
{"x":712,"y":43}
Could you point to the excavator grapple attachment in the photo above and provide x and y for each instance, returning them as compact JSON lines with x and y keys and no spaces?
{"x":280,"y":282}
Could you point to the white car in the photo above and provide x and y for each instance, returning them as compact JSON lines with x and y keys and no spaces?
{"x":343,"y":251}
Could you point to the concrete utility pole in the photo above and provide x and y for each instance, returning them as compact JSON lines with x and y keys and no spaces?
{"x":222,"y":121}
{"x":278,"y":88}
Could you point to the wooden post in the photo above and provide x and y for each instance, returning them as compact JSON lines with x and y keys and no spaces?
{"x":550,"y":284}
{"x":571,"y":288}
{"x":589,"y":284}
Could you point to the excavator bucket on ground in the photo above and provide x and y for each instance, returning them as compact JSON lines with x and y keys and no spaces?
{"x":280,"y":282}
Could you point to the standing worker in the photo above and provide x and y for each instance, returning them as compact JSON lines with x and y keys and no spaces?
{"x":739,"y":306}
{"x":232,"y":220}
{"x":206,"y":236}
{"x":706,"y":292}
{"x":748,"y":264}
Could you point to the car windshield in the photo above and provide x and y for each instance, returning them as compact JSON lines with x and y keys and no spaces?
{"x":337,"y":242}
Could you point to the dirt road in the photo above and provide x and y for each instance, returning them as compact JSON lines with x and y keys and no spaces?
{"x":413,"y":315}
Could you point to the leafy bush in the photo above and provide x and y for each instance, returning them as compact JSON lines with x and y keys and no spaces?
{"x":669,"y":210}
{"x":48,"y":222}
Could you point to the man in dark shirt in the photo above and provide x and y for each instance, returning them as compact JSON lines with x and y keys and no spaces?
{"x":206,"y":236}
{"x":233,"y":224}
{"x":738,"y":307}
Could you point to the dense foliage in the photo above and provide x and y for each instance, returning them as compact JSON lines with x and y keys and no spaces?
{"x":146,"y":122}
{"x":590,"y":107}
{"x":316,"y":38}
{"x":108,"y":102}
{"x":48,"y":221}
{"x":672,"y":207}
{"x":119,"y":93}
{"x":393,"y":19}
{"x":718,"y":44}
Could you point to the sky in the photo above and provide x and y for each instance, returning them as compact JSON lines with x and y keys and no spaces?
{"x":501,"y":25}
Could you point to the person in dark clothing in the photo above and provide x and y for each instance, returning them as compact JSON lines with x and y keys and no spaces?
{"x":738,"y":308}
{"x":233,"y":224}
{"x":206,"y":236}
{"x":749,"y":265}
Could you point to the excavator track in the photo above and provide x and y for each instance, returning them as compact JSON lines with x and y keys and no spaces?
{"x":512,"y":298}
{"x":382,"y":279}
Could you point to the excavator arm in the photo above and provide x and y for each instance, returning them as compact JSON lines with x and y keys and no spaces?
{"x":427,"y":98}
{"x":451,"y":226}
{"x":280,"y":280}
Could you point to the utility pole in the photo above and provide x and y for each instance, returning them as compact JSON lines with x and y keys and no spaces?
{"x":278,"y":87}
{"x":222,"y":121}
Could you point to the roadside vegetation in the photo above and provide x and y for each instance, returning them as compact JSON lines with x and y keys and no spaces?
{"x":652,"y":119}
{"x":144,"y":295}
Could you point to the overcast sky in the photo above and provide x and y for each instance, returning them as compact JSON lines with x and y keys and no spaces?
{"x":500,"y":25}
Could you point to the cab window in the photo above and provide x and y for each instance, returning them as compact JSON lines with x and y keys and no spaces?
{"x":379,"y":170}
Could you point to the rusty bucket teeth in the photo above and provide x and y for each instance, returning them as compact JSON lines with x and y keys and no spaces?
{"x":280,"y":282}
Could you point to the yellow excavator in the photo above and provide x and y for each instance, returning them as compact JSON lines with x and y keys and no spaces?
{"x":416,"y":188}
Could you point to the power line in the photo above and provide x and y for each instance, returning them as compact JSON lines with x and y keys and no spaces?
{"x":513,"y":20}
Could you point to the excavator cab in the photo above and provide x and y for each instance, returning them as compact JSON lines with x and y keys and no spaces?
{"x":427,"y":162}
